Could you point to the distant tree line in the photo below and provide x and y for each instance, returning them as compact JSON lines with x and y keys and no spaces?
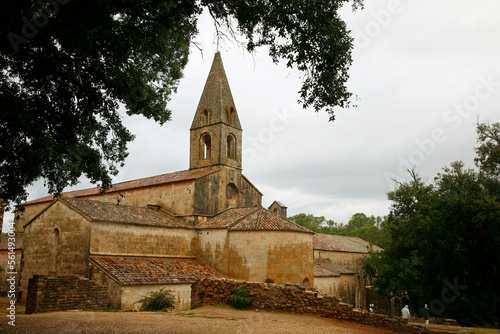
{"x":370,"y":228}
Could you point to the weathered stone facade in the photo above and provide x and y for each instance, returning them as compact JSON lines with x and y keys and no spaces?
{"x":108,"y":239}
{"x":58,"y":244}
{"x":271,"y":256}
{"x":343,"y":286}
{"x":227,"y":188}
{"x":47,"y":294}
{"x":338,"y":267}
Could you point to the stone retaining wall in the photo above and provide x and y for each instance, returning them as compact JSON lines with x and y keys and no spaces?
{"x":294,"y":299}
{"x":46,"y":294}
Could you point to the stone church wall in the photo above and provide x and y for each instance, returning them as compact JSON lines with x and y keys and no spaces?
{"x":176,"y":198}
{"x":211,"y":247}
{"x":226,"y":189}
{"x":251,"y":195}
{"x":344,"y":287}
{"x":353,"y":290}
{"x":349,"y":260}
{"x":55,"y":244}
{"x":127,"y":239}
{"x":274,"y":256}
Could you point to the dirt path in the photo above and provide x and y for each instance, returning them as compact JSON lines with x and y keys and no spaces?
{"x":205,"y":320}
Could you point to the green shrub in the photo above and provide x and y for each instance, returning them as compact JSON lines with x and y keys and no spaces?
{"x":240,"y":299}
{"x":157,"y":300}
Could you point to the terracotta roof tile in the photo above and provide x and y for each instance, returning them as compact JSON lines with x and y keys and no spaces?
{"x":110,"y":212}
{"x":325,"y":268}
{"x":153,"y":271}
{"x":252,"y":219}
{"x":351,"y":244}
{"x":322,"y":242}
{"x":184,"y":175}
{"x":228,"y":218}
{"x":321,"y":272}
{"x":264,"y":220}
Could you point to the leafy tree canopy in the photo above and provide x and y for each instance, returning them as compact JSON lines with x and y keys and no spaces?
{"x":371,"y":229}
{"x":488,"y":152}
{"x":67,"y":67}
{"x":444,"y":240}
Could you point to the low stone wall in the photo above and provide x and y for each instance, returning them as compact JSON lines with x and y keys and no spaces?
{"x":46,"y":294}
{"x":294,"y":299}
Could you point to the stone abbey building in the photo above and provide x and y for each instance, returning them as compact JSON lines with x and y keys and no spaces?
{"x":172,"y":229}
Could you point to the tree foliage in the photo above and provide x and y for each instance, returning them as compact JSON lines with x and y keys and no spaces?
{"x":488,"y":152}
{"x":68,"y":66}
{"x":371,"y":229}
{"x":444,"y":241}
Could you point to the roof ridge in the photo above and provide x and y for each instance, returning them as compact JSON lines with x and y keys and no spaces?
{"x":242,"y":218}
{"x":74,"y":208}
{"x":258,"y":217}
{"x":93,"y":191}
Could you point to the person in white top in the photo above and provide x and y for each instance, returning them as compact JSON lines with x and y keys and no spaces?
{"x":405,"y":311}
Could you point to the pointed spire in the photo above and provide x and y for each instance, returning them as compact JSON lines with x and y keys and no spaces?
{"x":217,"y":98}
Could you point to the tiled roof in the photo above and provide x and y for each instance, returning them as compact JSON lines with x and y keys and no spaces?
{"x":4,"y":242}
{"x":265,"y":220}
{"x":321,"y":272}
{"x":184,"y":175}
{"x":109,"y":212}
{"x":153,"y":271}
{"x":352,"y":244}
{"x":228,"y":218}
{"x":325,"y":268}
{"x":322,"y":242}
{"x":252,"y":219}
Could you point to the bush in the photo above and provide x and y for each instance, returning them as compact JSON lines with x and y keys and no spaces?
{"x":240,"y":299}
{"x":157,"y":300}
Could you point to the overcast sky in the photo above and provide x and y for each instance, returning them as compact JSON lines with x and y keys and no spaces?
{"x":424,"y":72}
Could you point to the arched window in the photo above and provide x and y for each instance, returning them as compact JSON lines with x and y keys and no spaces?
{"x":205,"y":117}
{"x":205,"y":146}
{"x":232,"y":116}
{"x":231,"y":195}
{"x":231,"y":147}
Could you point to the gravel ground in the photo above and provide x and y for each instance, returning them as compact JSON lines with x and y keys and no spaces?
{"x":206,"y":320}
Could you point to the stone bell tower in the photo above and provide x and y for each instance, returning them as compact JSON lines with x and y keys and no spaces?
{"x":216,"y":132}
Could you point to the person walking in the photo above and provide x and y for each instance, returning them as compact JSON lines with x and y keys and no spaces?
{"x":405,"y":311}
{"x":425,"y":313}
